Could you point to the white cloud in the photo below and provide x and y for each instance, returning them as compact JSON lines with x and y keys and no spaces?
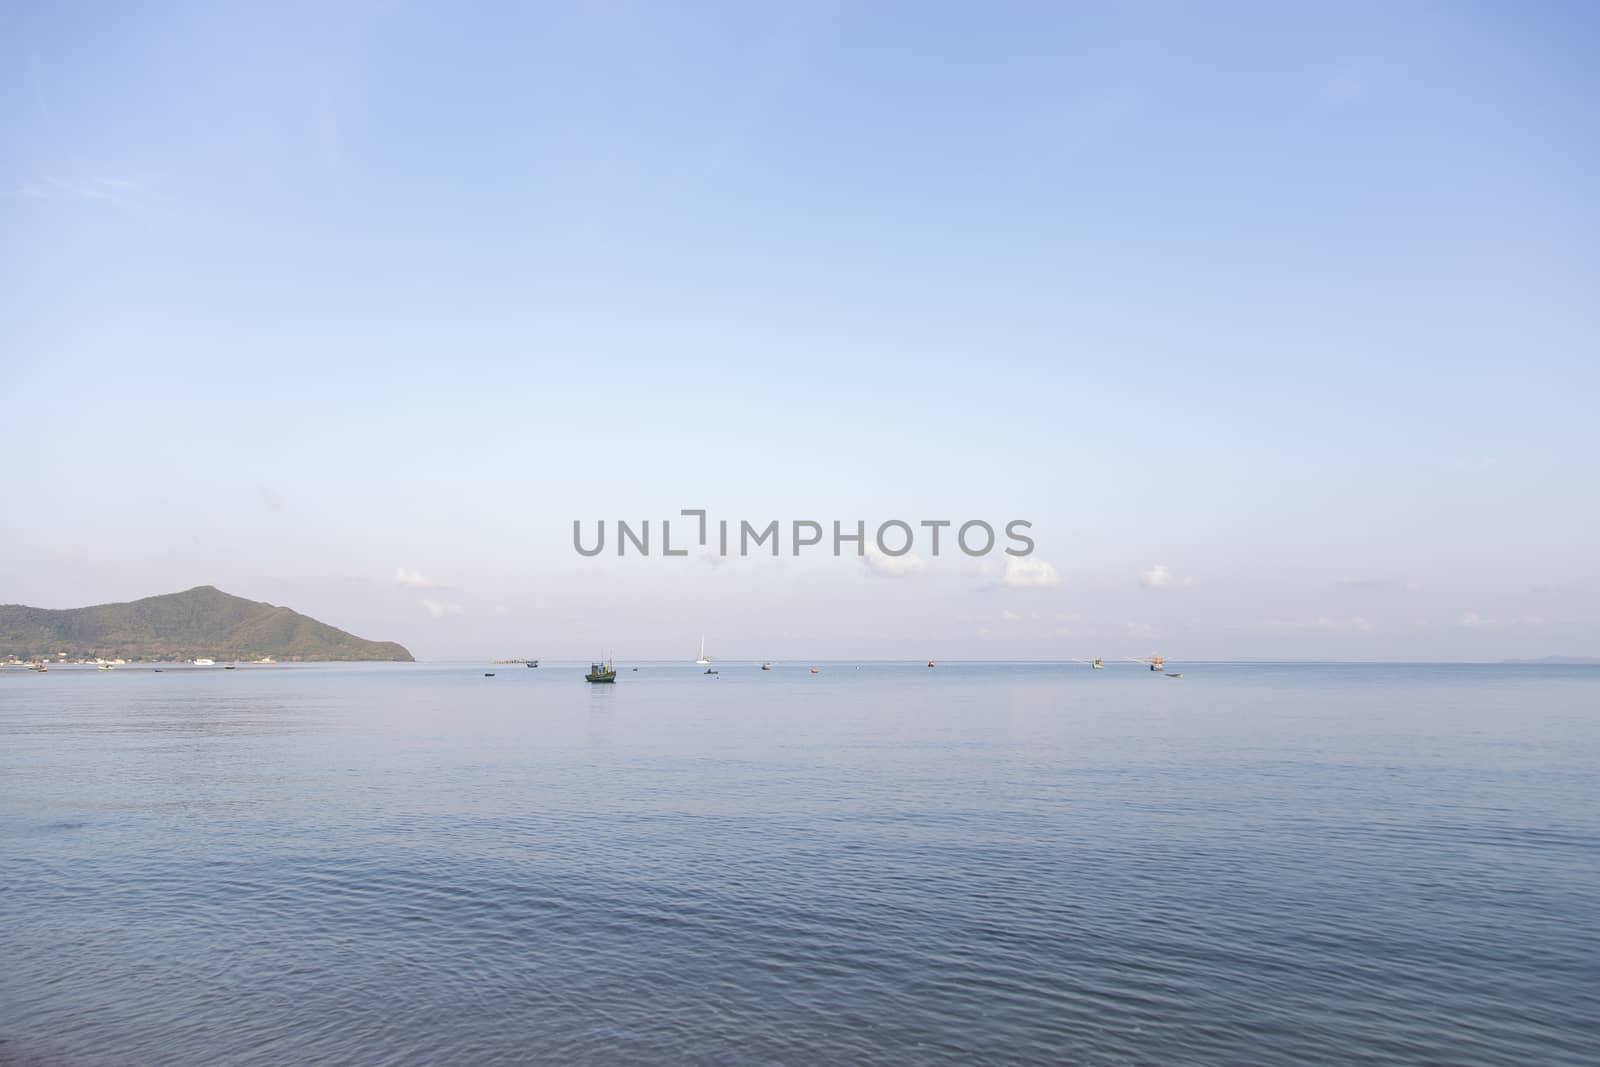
{"x":1378,"y":584}
{"x":438,"y":610}
{"x":1472,"y":618}
{"x":1160,"y":576}
{"x":893,"y":566}
{"x":106,"y":188}
{"x":1025,"y":572}
{"x":411,"y":579}
{"x":1343,"y":87}
{"x":1354,"y":624}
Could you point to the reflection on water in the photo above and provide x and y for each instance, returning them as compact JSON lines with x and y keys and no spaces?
{"x":401,"y":864}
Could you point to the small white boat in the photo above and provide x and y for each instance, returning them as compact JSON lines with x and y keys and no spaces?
{"x":205,"y":663}
{"x":702,"y":661}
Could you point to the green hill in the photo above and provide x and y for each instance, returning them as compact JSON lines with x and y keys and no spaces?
{"x":202,"y":622}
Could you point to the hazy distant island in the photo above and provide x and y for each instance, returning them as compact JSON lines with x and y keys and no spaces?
{"x":201,"y":622}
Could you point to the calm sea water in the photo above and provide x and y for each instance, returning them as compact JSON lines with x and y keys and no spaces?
{"x":1044,"y":864}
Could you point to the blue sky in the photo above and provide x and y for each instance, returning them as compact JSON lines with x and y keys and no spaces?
{"x":1294,"y":302}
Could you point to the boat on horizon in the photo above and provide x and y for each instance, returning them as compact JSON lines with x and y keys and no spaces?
{"x":531,"y":663}
{"x":702,"y":661}
{"x":766,"y":666}
{"x":1098,"y":664}
{"x":601,"y":671}
{"x":930,"y":663}
{"x":205,"y":663}
{"x":710,"y":671}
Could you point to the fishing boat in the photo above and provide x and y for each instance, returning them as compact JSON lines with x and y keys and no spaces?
{"x":1098,"y":664}
{"x":702,"y":661}
{"x":930,"y":663}
{"x":601,"y":672}
{"x":104,"y":667}
{"x":766,"y":666}
{"x":1157,"y":664}
{"x":205,"y":663}
{"x":531,"y":663}
{"x":710,"y":671}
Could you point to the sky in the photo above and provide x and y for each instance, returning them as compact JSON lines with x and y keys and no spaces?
{"x":1278,"y":322}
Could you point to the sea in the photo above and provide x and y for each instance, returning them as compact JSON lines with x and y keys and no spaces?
{"x":876,"y":863}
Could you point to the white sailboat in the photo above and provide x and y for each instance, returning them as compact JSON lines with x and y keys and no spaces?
{"x":702,"y":661}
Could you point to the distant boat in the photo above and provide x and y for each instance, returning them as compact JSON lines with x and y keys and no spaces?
{"x":601,"y":672}
{"x":488,"y":674}
{"x":1098,"y":665}
{"x":930,"y":663}
{"x":702,"y":661}
{"x":205,"y":663}
{"x":227,"y":667}
{"x":531,"y":663}
{"x":1157,"y":664}
{"x":104,"y":667}
{"x":1178,"y":675}
{"x":815,"y":671}
{"x":710,"y":671}
{"x":766,"y":666}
